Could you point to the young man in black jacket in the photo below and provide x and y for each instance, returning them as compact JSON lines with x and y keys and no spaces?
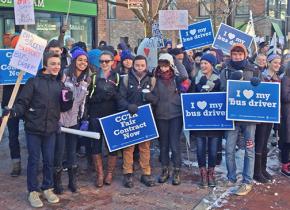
{"x":131,"y":87}
{"x":40,"y":103}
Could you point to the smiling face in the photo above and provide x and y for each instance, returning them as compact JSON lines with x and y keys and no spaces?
{"x":206,"y":67}
{"x":261,"y":60}
{"x":128,"y":63}
{"x":275,"y":65}
{"x":81,"y":63}
{"x":106,"y":62}
{"x":53,"y":66}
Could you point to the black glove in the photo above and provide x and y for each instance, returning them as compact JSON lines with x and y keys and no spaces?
{"x":6,"y":111}
{"x":132,"y":109}
{"x":255,"y":81}
{"x":149,"y":97}
{"x":237,"y":75}
{"x":203,"y":80}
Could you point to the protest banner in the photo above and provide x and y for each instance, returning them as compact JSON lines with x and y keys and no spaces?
{"x":26,"y":57}
{"x":246,"y":102}
{"x":173,"y":19}
{"x":8,"y":74}
{"x":197,"y":35}
{"x":24,"y":12}
{"x":148,"y":48}
{"x":157,"y":33}
{"x":205,"y":111}
{"x":227,"y":36}
{"x":122,"y":130}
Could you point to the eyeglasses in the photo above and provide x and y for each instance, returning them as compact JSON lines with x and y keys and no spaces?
{"x":105,"y":61}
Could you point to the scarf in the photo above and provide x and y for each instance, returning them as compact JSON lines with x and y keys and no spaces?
{"x":165,"y":77}
{"x":210,"y":81}
{"x":239,"y":65}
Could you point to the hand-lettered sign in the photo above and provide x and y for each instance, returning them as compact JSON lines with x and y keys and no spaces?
{"x":24,"y":12}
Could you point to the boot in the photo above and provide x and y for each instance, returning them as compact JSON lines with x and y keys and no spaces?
{"x":203,"y":177}
{"x":148,"y":180}
{"x":58,"y":189}
{"x":210,"y":177}
{"x":16,"y":168}
{"x":286,"y":169}
{"x":72,"y":178}
{"x":176,"y":176}
{"x":128,"y":180}
{"x":97,"y":159}
{"x":164,"y":175}
{"x":258,"y":175}
{"x":264,"y":167}
{"x":111,"y":166}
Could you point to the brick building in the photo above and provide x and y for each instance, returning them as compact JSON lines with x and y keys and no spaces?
{"x":116,"y":24}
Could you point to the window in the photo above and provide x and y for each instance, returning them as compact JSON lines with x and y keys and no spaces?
{"x":243,"y":7}
{"x":111,"y":10}
{"x":203,"y":7}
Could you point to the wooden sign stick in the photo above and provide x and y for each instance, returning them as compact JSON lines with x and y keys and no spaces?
{"x":11,"y":102}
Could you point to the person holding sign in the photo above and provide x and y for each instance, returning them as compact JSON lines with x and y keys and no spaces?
{"x":135,"y":91}
{"x":102,"y":101}
{"x":207,"y":80}
{"x":284,"y":143}
{"x":76,"y":79}
{"x":239,"y":68}
{"x":263,"y":130}
{"x":168,"y":114}
{"x":40,"y":103}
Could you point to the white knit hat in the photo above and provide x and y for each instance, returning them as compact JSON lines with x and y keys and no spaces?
{"x":167,"y":56}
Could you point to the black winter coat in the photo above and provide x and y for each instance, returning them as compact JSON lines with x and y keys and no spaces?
{"x":131,"y":93}
{"x":103,"y":97}
{"x":285,"y":110}
{"x":40,"y":104}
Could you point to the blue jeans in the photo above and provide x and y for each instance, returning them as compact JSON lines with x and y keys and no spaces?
{"x":169,"y":137}
{"x":69,"y":142}
{"x":248,"y":131}
{"x":37,"y":144}
{"x":202,"y":143}
{"x":13,"y":130}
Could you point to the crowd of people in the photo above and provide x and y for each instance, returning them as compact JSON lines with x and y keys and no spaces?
{"x":76,"y":87}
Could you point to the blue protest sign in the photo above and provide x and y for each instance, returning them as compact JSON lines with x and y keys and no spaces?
{"x":205,"y":111}
{"x":227,"y":36}
{"x":8,"y":74}
{"x":253,"y":103}
{"x":123,"y":129}
{"x":198,"y":35}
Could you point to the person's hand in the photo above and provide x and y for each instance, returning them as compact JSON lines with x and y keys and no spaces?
{"x":64,"y":28}
{"x":149,"y":97}
{"x":132,"y":109}
{"x":255,"y":81}
{"x":84,"y":125}
{"x":67,"y":94}
{"x":6,"y":111}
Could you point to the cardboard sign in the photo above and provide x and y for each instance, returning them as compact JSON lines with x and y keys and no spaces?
{"x":227,"y":36}
{"x":157,"y":33}
{"x":205,"y":111}
{"x":8,"y":74}
{"x":135,"y":4}
{"x":173,"y":19}
{"x":24,"y":12}
{"x":148,"y":48}
{"x":253,"y":103}
{"x":197,"y":35}
{"x":28,"y":52}
{"x":122,"y":130}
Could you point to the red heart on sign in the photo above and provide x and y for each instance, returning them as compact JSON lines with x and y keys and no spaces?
{"x":146,"y":51}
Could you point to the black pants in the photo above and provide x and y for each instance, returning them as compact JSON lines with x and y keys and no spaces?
{"x":285,"y":150}
{"x":13,"y":130}
{"x":262,"y":134}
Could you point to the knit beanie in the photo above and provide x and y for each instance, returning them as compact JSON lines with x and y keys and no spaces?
{"x":239,"y":47}
{"x":168,"y":57}
{"x":126,"y":54}
{"x":273,"y":57}
{"x":209,"y":58}
{"x":94,"y":56}
{"x":77,"y":52}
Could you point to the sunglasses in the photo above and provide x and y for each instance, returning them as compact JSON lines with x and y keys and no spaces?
{"x":105,"y":61}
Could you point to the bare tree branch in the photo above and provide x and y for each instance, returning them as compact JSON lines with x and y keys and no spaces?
{"x":160,"y":7}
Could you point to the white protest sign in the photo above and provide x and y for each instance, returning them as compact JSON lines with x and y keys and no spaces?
{"x":28,"y":52}
{"x":173,"y":19}
{"x":148,"y":48}
{"x":24,"y":12}
{"x":157,"y":33}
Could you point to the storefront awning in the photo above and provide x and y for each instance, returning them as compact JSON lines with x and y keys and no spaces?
{"x":277,"y":30}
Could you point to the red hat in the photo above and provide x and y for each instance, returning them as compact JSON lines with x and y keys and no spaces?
{"x":238,"y":47}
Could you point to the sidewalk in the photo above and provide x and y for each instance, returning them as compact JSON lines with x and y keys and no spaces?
{"x":188,"y":195}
